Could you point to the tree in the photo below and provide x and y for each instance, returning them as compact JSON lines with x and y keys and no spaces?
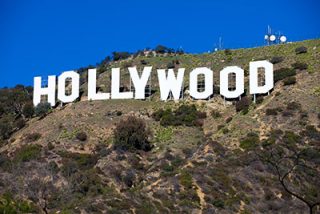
{"x":28,"y":110}
{"x":35,"y":181}
{"x":42,"y":109}
{"x":120,"y":55}
{"x":163,"y":49}
{"x":132,"y":133}
{"x":243,"y":105}
{"x":296,"y":169}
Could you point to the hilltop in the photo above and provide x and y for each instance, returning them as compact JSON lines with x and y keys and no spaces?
{"x":212,"y":157}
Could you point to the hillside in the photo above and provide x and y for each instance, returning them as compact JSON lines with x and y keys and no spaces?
{"x":233,"y":157}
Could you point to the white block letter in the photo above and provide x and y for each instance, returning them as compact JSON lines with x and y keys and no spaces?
{"x":170,"y":83}
{"x":92,"y":87}
{"x":253,"y":71}
{"x":224,"y":83}
{"x":193,"y":87}
{"x":50,"y":90}
{"x":140,"y":82}
{"x":75,"y":78}
{"x":115,"y":86}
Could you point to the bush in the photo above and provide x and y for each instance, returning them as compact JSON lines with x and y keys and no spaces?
{"x":171,"y":65}
{"x":9,"y":205}
{"x":250,"y":141}
{"x":186,"y":180}
{"x":290,"y":138}
{"x":2,"y":110}
{"x":218,"y":203}
{"x":73,"y":162}
{"x":282,"y":73}
{"x":294,"y":106}
{"x":301,"y":50}
{"x":300,"y":66}
{"x":185,"y":115}
{"x":289,"y":81}
{"x":132,"y":133}
{"x":271,"y":111}
{"x":311,"y":132}
{"x":87,"y":183}
{"x":27,"y":153}
{"x":20,"y":123}
{"x":128,"y":179}
{"x":32,"y":137}
{"x":227,"y":52}
{"x":82,"y":136}
{"x":42,"y":109}
{"x":215,"y":114}
{"x":6,"y":126}
{"x":120,"y":55}
{"x":243,"y":105}
{"x":143,"y":62}
{"x":162,"y":49}
{"x":276,"y":59}
{"x":28,"y":110}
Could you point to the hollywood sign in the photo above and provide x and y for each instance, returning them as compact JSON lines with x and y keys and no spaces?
{"x":169,"y":82}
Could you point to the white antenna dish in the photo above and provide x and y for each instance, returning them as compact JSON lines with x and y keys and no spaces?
{"x":283,"y":39}
{"x":272,"y":38}
{"x":266,"y":37}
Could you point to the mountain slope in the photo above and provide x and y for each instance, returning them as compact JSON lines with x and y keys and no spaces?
{"x":227,"y":162}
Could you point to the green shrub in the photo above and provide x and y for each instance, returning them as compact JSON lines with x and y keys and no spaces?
{"x":185,"y":115}
{"x":27,"y":153}
{"x":250,"y":141}
{"x":186,"y":180}
{"x":28,"y":110}
{"x":291,"y":138}
{"x":87,"y":182}
{"x":282,"y":73}
{"x":164,"y":134}
{"x":300,"y":65}
{"x":301,"y":50}
{"x":167,"y":168}
{"x":42,"y":109}
{"x":11,"y":206}
{"x":73,"y":162}
{"x":289,"y":81}
{"x":132,"y":133}
{"x":218,"y":203}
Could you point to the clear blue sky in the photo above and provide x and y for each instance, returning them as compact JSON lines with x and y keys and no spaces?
{"x":39,"y":38}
